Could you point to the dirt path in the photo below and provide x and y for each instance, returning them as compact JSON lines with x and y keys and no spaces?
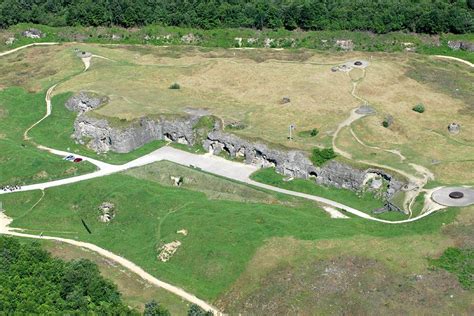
{"x":6,"y":230}
{"x":392,"y":151}
{"x":48,"y":112}
{"x":416,"y":183}
{"x":26,"y":46}
{"x":456,"y":59}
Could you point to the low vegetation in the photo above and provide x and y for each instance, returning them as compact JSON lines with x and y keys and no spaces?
{"x":35,"y":283}
{"x":365,"y":202}
{"x":175,"y":86}
{"x":320,"y":156}
{"x":309,"y":133}
{"x":420,"y":108}
{"x":459,"y":262}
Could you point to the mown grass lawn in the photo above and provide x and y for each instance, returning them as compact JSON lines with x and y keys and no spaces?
{"x":222,"y":236}
{"x":20,"y":161}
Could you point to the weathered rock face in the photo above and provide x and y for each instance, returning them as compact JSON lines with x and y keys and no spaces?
{"x":291,"y":163}
{"x":83,"y":102}
{"x":345,"y":44}
{"x":103,"y":137}
{"x":294,"y":163}
{"x":33,"y":33}
{"x":341,"y":175}
{"x":456,"y":45}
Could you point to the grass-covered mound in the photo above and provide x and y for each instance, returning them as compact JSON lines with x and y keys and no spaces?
{"x":32,"y":282}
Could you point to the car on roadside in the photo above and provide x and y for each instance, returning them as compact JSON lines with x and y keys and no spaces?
{"x":77,"y":160}
{"x":69,"y":158}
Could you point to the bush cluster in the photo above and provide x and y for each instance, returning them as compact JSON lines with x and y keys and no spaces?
{"x":320,"y":156}
{"x":420,"y":108}
{"x":175,"y":86}
{"x":32,"y":282}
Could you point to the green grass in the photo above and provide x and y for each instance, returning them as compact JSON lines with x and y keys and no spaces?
{"x":460,"y":262}
{"x":223,"y":235}
{"x":20,"y":161}
{"x":61,"y":124}
{"x":365,"y":202}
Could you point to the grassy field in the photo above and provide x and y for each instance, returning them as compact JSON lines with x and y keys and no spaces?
{"x":223,"y":234}
{"x":241,"y":85}
{"x":236,"y":87}
{"x":20,"y":161}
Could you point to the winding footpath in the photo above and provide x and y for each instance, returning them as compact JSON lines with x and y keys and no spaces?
{"x":209,"y":163}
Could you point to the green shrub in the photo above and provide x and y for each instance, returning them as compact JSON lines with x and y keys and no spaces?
{"x":420,"y":108}
{"x":309,"y":133}
{"x":175,"y":86}
{"x":195,"y":310}
{"x":460,"y":262}
{"x":388,"y":120}
{"x":320,"y":156}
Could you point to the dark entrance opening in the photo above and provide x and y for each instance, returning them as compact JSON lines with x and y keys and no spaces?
{"x":358,"y":63}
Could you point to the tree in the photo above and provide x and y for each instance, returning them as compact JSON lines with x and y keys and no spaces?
{"x":152,"y":308}
{"x":195,"y":310}
{"x":32,"y":282}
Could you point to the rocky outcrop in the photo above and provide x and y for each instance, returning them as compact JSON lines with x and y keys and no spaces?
{"x":100,"y":136}
{"x":290,"y":163}
{"x":345,"y":44}
{"x":461,"y":45}
{"x":84,"y":101}
{"x":295,"y":164}
{"x":344,"y":176}
{"x":33,"y":33}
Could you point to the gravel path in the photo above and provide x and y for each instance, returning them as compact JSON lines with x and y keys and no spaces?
{"x":456,"y":59}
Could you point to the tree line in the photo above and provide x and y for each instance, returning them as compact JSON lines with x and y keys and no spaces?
{"x":379,"y":16}
{"x":32,"y":282}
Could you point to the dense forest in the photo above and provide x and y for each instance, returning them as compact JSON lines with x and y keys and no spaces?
{"x":379,"y":16}
{"x":32,"y":282}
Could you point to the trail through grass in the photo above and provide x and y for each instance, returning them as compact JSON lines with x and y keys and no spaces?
{"x":20,"y":161}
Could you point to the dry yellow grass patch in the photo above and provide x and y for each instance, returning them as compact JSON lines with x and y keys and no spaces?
{"x":248,"y":85}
